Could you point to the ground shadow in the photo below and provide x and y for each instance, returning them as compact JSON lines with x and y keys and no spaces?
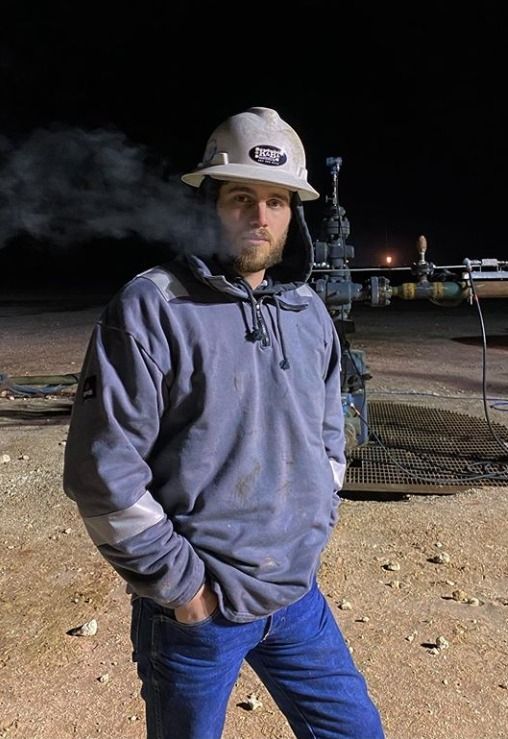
{"x":496,"y":341}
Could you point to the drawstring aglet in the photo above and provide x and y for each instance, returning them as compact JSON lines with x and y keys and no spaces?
{"x":255,"y":335}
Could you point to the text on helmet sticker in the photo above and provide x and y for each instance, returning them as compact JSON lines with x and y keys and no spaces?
{"x":267,"y":154}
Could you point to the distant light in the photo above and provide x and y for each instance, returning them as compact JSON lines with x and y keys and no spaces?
{"x":388,"y":259}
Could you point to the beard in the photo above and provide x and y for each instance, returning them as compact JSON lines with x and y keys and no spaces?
{"x":250,"y":258}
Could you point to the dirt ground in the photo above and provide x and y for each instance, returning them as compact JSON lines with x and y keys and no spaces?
{"x":57,"y":686}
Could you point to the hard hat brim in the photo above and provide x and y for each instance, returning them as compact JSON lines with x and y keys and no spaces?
{"x":245,"y":173}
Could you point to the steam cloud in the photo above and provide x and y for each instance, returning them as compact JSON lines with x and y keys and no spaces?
{"x":68,"y":185}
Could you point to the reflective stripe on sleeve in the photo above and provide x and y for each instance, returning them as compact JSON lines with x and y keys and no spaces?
{"x":339,"y":471}
{"x":112,"y":528}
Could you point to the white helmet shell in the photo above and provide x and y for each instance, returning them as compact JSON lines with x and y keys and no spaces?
{"x":255,"y":146}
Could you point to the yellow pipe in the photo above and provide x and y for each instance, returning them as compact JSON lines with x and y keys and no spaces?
{"x":444,"y":291}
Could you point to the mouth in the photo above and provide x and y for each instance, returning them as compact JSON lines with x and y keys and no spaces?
{"x":255,"y":238}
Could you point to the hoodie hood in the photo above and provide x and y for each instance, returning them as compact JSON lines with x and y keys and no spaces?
{"x":298,"y":256}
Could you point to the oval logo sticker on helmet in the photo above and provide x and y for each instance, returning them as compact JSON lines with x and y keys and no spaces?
{"x":267,"y":154}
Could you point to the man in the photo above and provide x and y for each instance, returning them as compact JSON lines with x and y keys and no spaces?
{"x":206,"y":451}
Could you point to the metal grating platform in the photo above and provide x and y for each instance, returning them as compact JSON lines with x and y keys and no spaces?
{"x":443,"y":447}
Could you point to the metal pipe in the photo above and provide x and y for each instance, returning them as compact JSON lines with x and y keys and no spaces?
{"x":429,"y":290}
{"x":396,"y":269}
{"x":491,"y":288}
{"x":450,"y":290}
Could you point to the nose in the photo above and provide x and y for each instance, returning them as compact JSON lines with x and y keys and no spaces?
{"x":259,"y":214}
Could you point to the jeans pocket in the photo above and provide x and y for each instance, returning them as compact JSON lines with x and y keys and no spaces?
{"x":214,"y":616}
{"x":171,"y":638}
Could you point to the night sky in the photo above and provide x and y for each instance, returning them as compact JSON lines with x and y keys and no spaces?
{"x":97,"y":101}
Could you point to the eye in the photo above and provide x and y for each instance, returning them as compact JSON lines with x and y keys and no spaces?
{"x":241,"y":199}
{"x":276,"y":203}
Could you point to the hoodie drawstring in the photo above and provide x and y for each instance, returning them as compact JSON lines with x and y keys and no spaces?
{"x":258,"y":331}
{"x":284,"y":363}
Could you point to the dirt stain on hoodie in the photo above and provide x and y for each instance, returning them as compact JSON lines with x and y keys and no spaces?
{"x":245,"y":484}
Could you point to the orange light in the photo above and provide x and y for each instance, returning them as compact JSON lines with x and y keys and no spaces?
{"x":388,"y":260}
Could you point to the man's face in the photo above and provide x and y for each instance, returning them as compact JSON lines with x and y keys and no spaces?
{"x":254,"y":221}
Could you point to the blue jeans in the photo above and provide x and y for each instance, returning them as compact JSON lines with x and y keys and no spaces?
{"x":188,"y":671}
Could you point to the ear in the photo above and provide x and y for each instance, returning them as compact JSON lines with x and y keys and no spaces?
{"x":208,"y":191}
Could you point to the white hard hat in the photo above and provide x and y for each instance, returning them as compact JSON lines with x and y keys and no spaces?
{"x":255,"y":146}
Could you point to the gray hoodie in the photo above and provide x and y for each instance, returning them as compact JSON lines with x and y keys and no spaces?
{"x":206,"y":439}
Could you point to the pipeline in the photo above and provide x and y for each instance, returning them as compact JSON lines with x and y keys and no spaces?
{"x":450,"y":291}
{"x":30,"y":385}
